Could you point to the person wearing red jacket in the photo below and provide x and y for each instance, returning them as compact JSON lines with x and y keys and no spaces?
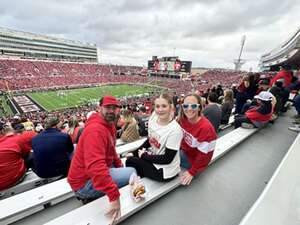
{"x":285,"y":75}
{"x":199,"y":138}
{"x":258,"y":115}
{"x":14,"y":151}
{"x":96,"y":168}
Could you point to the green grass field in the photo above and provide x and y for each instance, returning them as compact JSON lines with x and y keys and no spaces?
{"x":54,"y":100}
{"x":7,"y":111}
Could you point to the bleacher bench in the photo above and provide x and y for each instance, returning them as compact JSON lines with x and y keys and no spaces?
{"x":31,"y":180}
{"x":27,"y":203}
{"x":94,"y":212}
{"x":230,"y":122}
{"x":46,"y":195}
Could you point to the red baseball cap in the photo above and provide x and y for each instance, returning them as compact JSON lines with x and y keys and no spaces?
{"x":109,"y":100}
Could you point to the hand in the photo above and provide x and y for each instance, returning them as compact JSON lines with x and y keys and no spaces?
{"x":114,"y":210}
{"x":129,"y":155}
{"x":141,"y":152}
{"x":186,"y":178}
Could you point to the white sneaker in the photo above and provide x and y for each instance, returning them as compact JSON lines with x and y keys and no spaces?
{"x":295,"y":128}
{"x":247,"y":125}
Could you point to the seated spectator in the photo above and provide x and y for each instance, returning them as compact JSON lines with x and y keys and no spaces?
{"x":130,"y":129}
{"x":284,"y":75}
{"x":74,"y":130}
{"x":51,"y":150}
{"x":143,"y":118}
{"x":158,"y":158}
{"x":263,"y":85}
{"x":13,"y":157}
{"x":219,"y":90}
{"x":259,"y":115}
{"x":280,"y":94}
{"x":213,"y":111}
{"x":199,"y":138}
{"x":96,"y":169}
{"x":227,"y":106}
{"x":246,"y":90}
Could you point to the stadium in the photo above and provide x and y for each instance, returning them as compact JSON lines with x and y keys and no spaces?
{"x":42,"y":76}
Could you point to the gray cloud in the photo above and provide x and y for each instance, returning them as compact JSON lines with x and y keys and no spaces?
{"x":130,"y":31}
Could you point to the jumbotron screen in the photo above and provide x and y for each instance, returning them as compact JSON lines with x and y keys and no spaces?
{"x":169,"y":64}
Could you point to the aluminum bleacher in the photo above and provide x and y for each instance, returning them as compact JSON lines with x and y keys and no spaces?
{"x":94,"y":213}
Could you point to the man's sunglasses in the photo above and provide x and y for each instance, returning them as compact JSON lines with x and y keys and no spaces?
{"x":191,"y":106}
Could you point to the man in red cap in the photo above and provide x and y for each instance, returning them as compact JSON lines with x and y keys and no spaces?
{"x":96,"y":169}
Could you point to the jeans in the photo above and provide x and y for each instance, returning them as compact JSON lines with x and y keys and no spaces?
{"x":119,"y":175}
{"x":184,"y":162}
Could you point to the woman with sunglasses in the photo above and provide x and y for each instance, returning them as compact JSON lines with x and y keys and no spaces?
{"x":199,"y":138}
{"x":158,"y":158}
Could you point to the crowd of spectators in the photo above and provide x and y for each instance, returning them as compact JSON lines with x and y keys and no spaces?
{"x":45,"y":141}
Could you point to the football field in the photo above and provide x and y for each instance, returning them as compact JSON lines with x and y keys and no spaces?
{"x":61,"y":99}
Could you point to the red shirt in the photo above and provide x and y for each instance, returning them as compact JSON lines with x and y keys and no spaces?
{"x":285,"y":75}
{"x":12,"y":165}
{"x":198,"y":143}
{"x":254,"y":115}
{"x":25,"y":140}
{"x":95,"y":154}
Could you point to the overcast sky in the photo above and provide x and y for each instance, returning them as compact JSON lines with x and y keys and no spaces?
{"x":207,"y":32}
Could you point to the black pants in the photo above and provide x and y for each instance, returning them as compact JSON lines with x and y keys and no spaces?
{"x":239,"y":119}
{"x":146,"y":169}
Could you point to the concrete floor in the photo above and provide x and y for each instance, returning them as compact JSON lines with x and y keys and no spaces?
{"x":221,"y":195}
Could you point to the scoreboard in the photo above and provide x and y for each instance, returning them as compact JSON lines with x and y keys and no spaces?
{"x":169,"y":64}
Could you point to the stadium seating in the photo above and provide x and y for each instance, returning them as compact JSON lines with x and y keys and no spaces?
{"x":94,"y":212}
{"x":57,"y":191}
{"x":30,"y":181}
{"x":35,"y":75}
{"x":42,"y":197}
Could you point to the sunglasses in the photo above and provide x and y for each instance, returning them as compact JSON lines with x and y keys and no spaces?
{"x":191,"y":106}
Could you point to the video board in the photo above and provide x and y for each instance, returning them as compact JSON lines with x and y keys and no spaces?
{"x":169,"y":64}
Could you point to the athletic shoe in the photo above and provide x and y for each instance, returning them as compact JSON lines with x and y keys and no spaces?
{"x":247,"y":125}
{"x":295,"y":128}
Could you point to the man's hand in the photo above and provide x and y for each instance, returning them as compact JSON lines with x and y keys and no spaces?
{"x":114,"y":210}
{"x":186,"y":178}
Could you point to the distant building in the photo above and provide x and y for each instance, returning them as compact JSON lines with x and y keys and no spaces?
{"x":28,"y":45}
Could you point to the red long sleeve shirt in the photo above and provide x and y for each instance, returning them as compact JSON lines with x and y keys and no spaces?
{"x":12,"y":165}
{"x":285,"y":75}
{"x":198,"y":143}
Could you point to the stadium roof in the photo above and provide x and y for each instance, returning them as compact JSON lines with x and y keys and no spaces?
{"x":287,"y":53}
{"x":11,"y":32}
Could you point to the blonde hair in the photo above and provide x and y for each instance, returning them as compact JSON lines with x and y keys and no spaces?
{"x":73,"y":123}
{"x":228,"y":96}
{"x":127,"y":116}
{"x":167,"y":97}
